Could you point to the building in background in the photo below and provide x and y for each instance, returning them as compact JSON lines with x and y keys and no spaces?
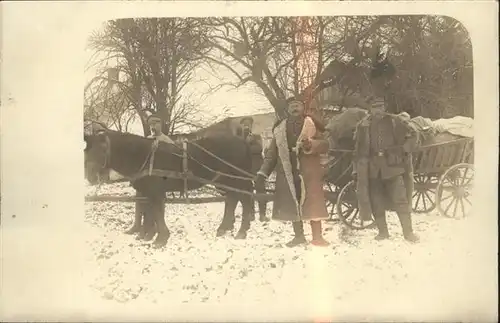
{"x":263,"y":125}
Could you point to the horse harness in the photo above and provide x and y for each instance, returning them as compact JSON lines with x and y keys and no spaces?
{"x":186,"y":174}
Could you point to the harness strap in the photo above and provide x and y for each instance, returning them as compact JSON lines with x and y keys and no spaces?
{"x":186,"y":174}
{"x":219,"y":185}
{"x":250,"y":175}
{"x":152,"y":160}
{"x":217,"y":176}
{"x":247,"y":178}
{"x":177,"y":175}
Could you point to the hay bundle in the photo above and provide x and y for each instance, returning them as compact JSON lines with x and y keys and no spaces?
{"x":341,"y":128}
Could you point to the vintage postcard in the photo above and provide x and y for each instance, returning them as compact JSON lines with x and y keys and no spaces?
{"x":250,"y":161}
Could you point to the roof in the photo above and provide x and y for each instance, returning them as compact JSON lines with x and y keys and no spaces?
{"x":262,"y":123}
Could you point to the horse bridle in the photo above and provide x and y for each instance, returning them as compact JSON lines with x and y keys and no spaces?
{"x":107,"y":155}
{"x":184,"y":156}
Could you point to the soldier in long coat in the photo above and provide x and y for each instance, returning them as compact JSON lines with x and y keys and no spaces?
{"x":382,"y":159}
{"x":294,"y":153}
{"x":383,"y":167}
{"x":255,"y":143}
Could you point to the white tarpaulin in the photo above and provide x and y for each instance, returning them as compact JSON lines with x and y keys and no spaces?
{"x":343,"y":125}
{"x":459,"y":126}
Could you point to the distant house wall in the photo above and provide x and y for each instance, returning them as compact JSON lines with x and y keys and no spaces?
{"x":263,"y":124}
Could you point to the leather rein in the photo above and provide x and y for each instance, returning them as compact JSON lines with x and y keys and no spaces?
{"x":185,"y":174}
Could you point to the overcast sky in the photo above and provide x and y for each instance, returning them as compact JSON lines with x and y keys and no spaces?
{"x":242,"y":101}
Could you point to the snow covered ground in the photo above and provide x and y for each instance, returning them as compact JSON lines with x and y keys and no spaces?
{"x":259,"y":279}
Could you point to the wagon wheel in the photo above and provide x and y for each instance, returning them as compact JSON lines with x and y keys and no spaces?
{"x":424,"y":194}
{"x":347,"y":208}
{"x":331,"y":194}
{"x":454,"y":191}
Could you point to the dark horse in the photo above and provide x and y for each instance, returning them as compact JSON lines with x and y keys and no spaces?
{"x":128,"y":155}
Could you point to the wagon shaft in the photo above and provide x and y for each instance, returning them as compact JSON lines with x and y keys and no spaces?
{"x":193,"y":200}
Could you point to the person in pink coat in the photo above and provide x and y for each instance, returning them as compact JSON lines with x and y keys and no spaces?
{"x":295,"y":154}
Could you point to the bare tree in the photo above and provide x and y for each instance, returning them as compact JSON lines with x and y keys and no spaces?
{"x":276,"y":53}
{"x":432,"y":60}
{"x":433,"y":55}
{"x":103,"y":101}
{"x":284,"y":56}
{"x":157,"y":61}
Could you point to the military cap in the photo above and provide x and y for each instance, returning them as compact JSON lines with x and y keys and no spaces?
{"x":153,"y":117}
{"x":294,"y":99}
{"x":246,"y":118}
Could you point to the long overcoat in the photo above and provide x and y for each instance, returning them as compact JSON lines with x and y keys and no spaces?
{"x":255,"y":143}
{"x":286,"y":205}
{"x":399,"y":156}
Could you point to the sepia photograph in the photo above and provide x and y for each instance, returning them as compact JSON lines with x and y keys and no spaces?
{"x":248,"y":142}
{"x":322,"y":165}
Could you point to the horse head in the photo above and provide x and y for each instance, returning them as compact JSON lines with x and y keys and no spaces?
{"x":97,"y":154}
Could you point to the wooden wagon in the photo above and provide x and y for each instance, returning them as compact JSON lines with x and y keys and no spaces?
{"x":443,"y":179}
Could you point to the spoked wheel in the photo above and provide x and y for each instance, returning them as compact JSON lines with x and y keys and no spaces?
{"x":454,"y":191}
{"x":424,"y":193}
{"x":347,"y":208}
{"x":331,"y":194}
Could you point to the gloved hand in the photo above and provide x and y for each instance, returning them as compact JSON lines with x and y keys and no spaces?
{"x":306,"y":144}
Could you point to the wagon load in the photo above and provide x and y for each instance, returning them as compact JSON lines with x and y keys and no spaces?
{"x":341,"y":128}
{"x":442,"y":165}
{"x":440,"y":130}
{"x":340,"y":133}
{"x":342,"y":125}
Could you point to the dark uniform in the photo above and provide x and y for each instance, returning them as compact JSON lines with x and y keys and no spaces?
{"x":255,"y":143}
{"x":383,"y":167}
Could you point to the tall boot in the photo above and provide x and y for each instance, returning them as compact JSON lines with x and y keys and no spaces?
{"x":406,"y":225}
{"x":317,"y":234}
{"x":262,"y":212}
{"x":381,"y":223}
{"x":299,"y":238}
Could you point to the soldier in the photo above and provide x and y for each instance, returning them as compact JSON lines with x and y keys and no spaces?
{"x":383,"y":168}
{"x":255,"y":143}
{"x":295,"y":154}
{"x":154,"y":123}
